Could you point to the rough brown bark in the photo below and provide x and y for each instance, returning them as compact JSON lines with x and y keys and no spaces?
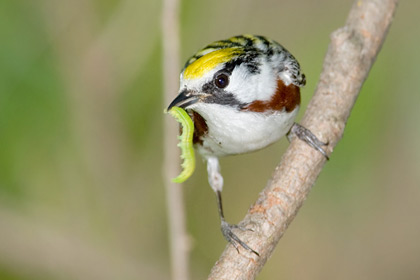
{"x":350,"y":56}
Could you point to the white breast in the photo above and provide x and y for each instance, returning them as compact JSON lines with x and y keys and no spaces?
{"x":236,"y":132}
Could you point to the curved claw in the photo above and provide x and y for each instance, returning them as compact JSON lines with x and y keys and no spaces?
{"x":309,"y":138}
{"x":233,"y":238}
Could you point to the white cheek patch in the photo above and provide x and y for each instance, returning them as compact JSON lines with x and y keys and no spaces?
{"x":248,"y":87}
{"x":267,"y":83}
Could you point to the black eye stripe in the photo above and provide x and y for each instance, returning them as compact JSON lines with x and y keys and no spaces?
{"x":217,"y":94}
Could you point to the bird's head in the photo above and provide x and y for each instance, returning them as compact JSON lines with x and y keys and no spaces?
{"x":244,"y":73}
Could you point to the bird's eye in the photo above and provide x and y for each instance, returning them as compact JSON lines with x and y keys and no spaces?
{"x":221,"y":80}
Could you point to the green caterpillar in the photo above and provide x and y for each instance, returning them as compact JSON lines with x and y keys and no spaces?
{"x":186,"y":143}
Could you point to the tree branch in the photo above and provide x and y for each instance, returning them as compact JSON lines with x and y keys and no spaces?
{"x":350,"y":56}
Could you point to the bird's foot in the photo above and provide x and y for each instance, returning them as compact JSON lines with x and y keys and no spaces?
{"x":233,"y":238}
{"x":308,"y":137}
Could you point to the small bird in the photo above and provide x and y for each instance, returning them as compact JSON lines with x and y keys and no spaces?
{"x":242,"y":95}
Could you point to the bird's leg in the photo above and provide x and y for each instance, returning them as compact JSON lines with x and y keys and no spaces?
{"x":308,"y":137}
{"x":216,"y":183}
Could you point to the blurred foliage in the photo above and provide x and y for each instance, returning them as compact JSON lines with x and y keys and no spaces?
{"x":81,"y":193}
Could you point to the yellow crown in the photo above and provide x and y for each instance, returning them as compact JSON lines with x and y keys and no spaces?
{"x":209,"y":61}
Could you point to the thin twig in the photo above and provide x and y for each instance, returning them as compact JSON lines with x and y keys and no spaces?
{"x":178,"y":240}
{"x":350,"y":56}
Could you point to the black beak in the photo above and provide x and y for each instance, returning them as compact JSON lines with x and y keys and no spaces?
{"x":184,"y":99}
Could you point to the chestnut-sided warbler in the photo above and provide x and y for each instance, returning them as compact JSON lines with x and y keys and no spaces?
{"x":242,"y":94}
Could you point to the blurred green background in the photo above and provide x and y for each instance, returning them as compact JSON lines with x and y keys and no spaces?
{"x":81,"y":190}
